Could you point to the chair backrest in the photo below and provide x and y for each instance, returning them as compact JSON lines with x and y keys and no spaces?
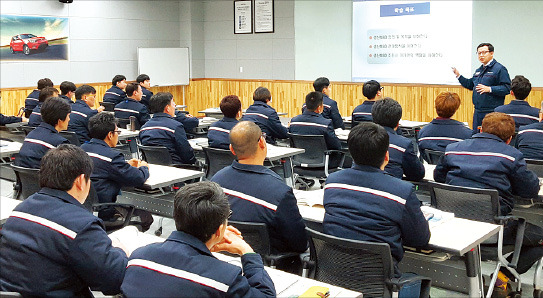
{"x":108,"y":106}
{"x":255,"y":234}
{"x":27,"y":129}
{"x":122,"y":122}
{"x":71,"y":137}
{"x":409,"y":132}
{"x":217,"y":159}
{"x":357,"y":265}
{"x":536,"y":166}
{"x":156,"y":155}
{"x":433,"y":156}
{"x":314,"y":146}
{"x":28,"y":181}
{"x":466,"y":202}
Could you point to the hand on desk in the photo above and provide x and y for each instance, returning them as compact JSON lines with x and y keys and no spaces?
{"x":137,"y":163}
{"x":116,"y":243}
{"x":233,"y":243}
{"x":100,"y":109}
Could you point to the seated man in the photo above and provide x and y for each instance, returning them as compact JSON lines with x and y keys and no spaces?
{"x":145,"y":82}
{"x":56,"y":116}
{"x":265,"y":116}
{"x":331,"y":110}
{"x":189,"y":122}
{"x":132,"y":106}
{"x":365,"y":203}
{"x":218,"y":134}
{"x":67,"y":91}
{"x":81,"y":112}
{"x":163,"y":130}
{"x":183,"y":264}
{"x":311,"y":122}
{"x":45,"y":93}
{"x":257,"y":194}
{"x":33,"y":98}
{"x":487,"y":161}
{"x":403,"y":161}
{"x":518,"y":108}
{"x":530,"y":139}
{"x":372,"y":91}
{"x":51,"y":245}
{"x":115,"y":94}
{"x":443,"y":130}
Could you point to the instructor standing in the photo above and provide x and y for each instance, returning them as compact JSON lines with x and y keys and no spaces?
{"x":491,"y":83}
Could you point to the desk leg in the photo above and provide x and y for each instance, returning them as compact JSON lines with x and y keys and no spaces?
{"x":473,"y":271}
{"x":289,"y":171}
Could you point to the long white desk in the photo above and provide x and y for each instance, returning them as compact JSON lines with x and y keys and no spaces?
{"x":8,"y":148}
{"x":216,"y":112}
{"x":128,"y":134}
{"x":161,"y":176}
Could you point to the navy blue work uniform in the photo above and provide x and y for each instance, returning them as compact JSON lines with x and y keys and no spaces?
{"x":111,"y":171}
{"x":163,"y":130}
{"x":146,"y":96}
{"x":189,"y":123}
{"x":79,"y":120}
{"x":497,"y":78}
{"x":52,"y":246}
{"x":114,"y":95}
{"x":330,"y":111}
{"x":311,"y":123}
{"x":521,"y":111}
{"x":441,"y":132}
{"x":362,"y":113}
{"x":218,"y":134}
{"x":365,"y":203}
{"x":183,"y":266}
{"x":530,"y":141}
{"x":35,"y":117}
{"x":267,"y":119}
{"x":9,"y":119}
{"x":403,"y":160}
{"x":37,"y":143}
{"x":131,"y":107}
{"x":257,"y":194}
{"x":31,"y":101}
{"x":66,"y":99}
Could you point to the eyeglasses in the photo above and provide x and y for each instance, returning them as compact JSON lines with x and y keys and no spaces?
{"x":482,"y":53}
{"x":262,"y":135}
{"x":117,"y":132}
{"x":381,"y":88}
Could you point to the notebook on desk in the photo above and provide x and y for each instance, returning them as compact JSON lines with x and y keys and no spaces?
{"x":311,"y":198}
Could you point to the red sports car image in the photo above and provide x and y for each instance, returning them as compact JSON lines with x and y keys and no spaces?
{"x":26,"y":42}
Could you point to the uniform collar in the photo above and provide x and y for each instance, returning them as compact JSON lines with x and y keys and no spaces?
{"x":143,"y":88}
{"x":490,"y":63}
{"x":48,"y":127}
{"x":519,"y":102}
{"x":484,"y":135}
{"x":228,"y":119}
{"x":368,"y":102}
{"x":81,"y":102}
{"x":390,"y":130}
{"x":445,"y":121}
{"x":98,"y":142}
{"x":182,"y":237}
{"x":365,"y":168}
{"x":131,"y":99}
{"x":311,"y":113}
{"x":260,"y":103}
{"x":250,"y":168}
{"x":117,"y":88}
{"x":162,"y":115}
{"x":61,"y":195}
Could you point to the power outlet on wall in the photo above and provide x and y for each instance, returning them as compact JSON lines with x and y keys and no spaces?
{"x":241,"y":69}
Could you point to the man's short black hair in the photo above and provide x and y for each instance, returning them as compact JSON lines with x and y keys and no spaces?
{"x":368,"y":144}
{"x":101,"y":124}
{"x":313,"y":100}
{"x":62,"y":165}
{"x":66,"y":87}
{"x":142,"y":78}
{"x":54,"y":109}
{"x":160,"y":101}
{"x":200,"y":208}
{"x":131,"y":88}
{"x":321,"y":83}
{"x":230,"y":106}
{"x":262,"y":94}
{"x":116,"y":79}
{"x":386,"y":112}
{"x":46,"y":93}
{"x":370,"y":89}
{"x":521,"y":87}
{"x":84,"y":90}
{"x":45,"y":82}
{"x":486,"y":44}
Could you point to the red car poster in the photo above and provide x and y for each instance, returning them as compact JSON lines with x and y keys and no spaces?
{"x":31,"y":38}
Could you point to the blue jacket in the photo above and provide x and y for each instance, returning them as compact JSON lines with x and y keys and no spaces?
{"x":114,"y":95}
{"x":79,"y":120}
{"x":37,"y":143}
{"x":218,"y":134}
{"x":365,"y":203}
{"x":111,"y":171}
{"x":485,"y":161}
{"x":403,"y":160}
{"x":257,"y":194}
{"x":66,"y":99}
{"x":9,"y":119}
{"x":163,"y":130}
{"x":35,"y":118}
{"x":311,"y":123}
{"x":330,"y":111}
{"x":441,"y":132}
{"x":521,"y":111}
{"x":495,"y":76}
{"x":146,"y":96}
{"x":530,"y":141}
{"x":266,"y":117}
{"x":183,"y":266}
{"x":362,"y":112}
{"x":131,"y":107}
{"x":52,"y":246}
{"x":32,"y":100}
{"x":189,"y":123}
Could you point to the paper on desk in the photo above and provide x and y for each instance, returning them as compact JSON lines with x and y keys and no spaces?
{"x":133,"y":239}
{"x":310,"y":198}
{"x":437,"y":216}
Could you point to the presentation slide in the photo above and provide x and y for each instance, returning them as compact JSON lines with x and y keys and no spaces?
{"x":411,"y":41}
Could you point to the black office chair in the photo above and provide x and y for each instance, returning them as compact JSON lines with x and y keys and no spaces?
{"x":361,"y":266}
{"x":27,"y":129}
{"x":71,"y":137}
{"x":158,"y":155}
{"x":118,"y":215}
{"x":28,"y":182}
{"x":535,"y":166}
{"x":108,"y":106}
{"x":432,"y":156}
{"x":217,"y":159}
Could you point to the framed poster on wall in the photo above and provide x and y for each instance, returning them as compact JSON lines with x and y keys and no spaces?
{"x":243,"y":16}
{"x":264,"y":22}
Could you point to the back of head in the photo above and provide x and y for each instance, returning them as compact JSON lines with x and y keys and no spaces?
{"x":46,"y":93}
{"x":313,"y":100}
{"x":447,"y":104}
{"x":66,"y":87}
{"x":131,"y":88}
{"x":386,"y":112}
{"x":370,"y":89}
{"x":262,"y":94}
{"x":244,"y":139}
{"x":521,"y":87}
{"x":62,"y":165}
{"x":230,"y":106}
{"x":45,"y":82}
{"x":116,"y":79}
{"x":200,"y":208}
{"x":368,"y":144}
{"x":142,"y":78}
{"x":84,"y":90}
{"x":320,"y":83}
{"x":54,"y":109}
{"x":499,"y":124}
{"x":101,"y":124}
{"x":159,"y":101}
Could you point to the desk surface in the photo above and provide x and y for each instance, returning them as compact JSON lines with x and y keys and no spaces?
{"x":276,"y":152}
{"x":403,"y":123}
{"x":125,"y":134}
{"x":161,"y":176}
{"x":7,"y":148}
{"x":217,"y":111}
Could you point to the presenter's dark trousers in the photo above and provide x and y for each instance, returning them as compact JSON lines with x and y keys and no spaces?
{"x":478,"y":117}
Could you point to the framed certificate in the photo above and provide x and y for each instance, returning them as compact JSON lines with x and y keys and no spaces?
{"x":264,"y":15}
{"x":243,"y":16}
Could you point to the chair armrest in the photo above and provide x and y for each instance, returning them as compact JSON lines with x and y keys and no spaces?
{"x":521,"y":227}
{"x":188,"y":167}
{"x":331,"y":151}
{"x":398,"y":283}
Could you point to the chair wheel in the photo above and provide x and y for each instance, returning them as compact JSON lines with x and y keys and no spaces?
{"x":538,"y":294}
{"x":158,"y":232}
